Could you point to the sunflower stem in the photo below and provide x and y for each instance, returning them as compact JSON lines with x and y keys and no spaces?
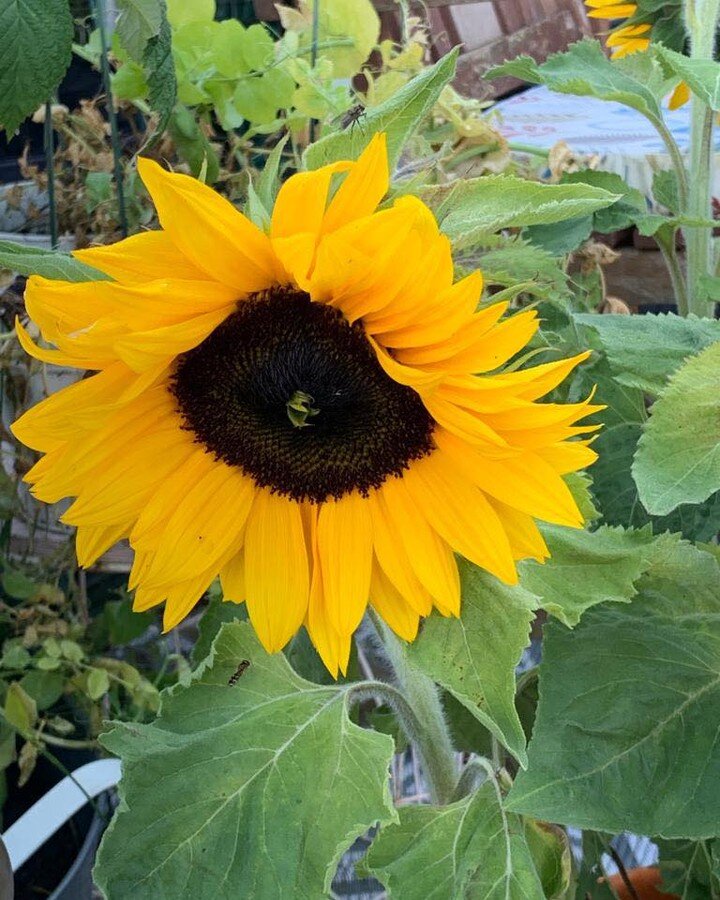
{"x":427,"y":727}
{"x":701,"y":17}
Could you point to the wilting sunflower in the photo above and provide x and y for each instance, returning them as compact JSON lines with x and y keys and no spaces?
{"x":316,"y":414}
{"x":635,"y":34}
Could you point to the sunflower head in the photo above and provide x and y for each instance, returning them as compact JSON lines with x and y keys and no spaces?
{"x":317,"y":414}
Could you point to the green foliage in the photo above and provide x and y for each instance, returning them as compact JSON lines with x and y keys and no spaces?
{"x":644,"y":351}
{"x":399,"y":117}
{"x":193,"y":145}
{"x":623,"y":420}
{"x":587,"y":568}
{"x":602,"y":758}
{"x":701,"y":75}
{"x":160,"y":74}
{"x":48,"y":263}
{"x":624,"y":212}
{"x":238,"y":777}
{"x":138,"y":21}
{"x":471,"y":848}
{"x":637,"y":81}
{"x":469,"y":210}
{"x":474,"y":657}
{"x":352,"y":25}
{"x":35,"y":51}
{"x":687,"y":869}
{"x":678,"y":456}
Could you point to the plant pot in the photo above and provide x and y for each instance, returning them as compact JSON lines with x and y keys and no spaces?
{"x":61,"y":868}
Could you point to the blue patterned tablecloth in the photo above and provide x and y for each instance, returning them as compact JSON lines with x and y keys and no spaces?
{"x":624,"y":140}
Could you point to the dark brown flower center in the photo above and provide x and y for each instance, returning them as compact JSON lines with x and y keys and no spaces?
{"x":290,"y":392}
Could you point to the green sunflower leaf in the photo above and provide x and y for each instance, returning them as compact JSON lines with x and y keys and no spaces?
{"x":35,"y":51}
{"x":249,"y":790}
{"x":399,"y":116}
{"x":469,"y":210}
{"x":49,"y":263}
{"x":613,"y":487}
{"x":586,"y":568}
{"x":138,"y":21}
{"x":469,"y":849}
{"x":474,"y":657}
{"x":701,"y":75}
{"x":644,"y":351}
{"x":678,"y":456}
{"x":638,"y":81}
{"x":600,"y":759}
{"x":160,"y":74}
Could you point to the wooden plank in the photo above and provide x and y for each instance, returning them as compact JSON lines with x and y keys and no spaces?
{"x":540,"y":39}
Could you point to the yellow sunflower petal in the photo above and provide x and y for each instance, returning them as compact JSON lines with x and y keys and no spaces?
{"x":364,"y":186}
{"x":634,"y":45}
{"x":454,"y":309}
{"x":277,"y":581}
{"x":209,"y":231}
{"x":207,"y":522}
{"x":141,"y":257}
{"x":145,"y":349}
{"x":617,"y":11}
{"x":345,"y":551}
{"x":58,"y":417}
{"x":461,"y":514}
{"x":680,"y":96}
{"x":393,"y":560}
{"x":91,"y":541}
{"x":431,"y":558}
{"x":232,"y":578}
{"x":620,"y":37}
{"x":57,"y":357}
{"x":420,"y":381}
{"x":392,"y":607}
{"x":526,"y":541}
{"x":334,"y":649}
{"x":569,"y":456}
{"x":301,"y":201}
{"x":129,"y":480}
{"x":544,"y":494}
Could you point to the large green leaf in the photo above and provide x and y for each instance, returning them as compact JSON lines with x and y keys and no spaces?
{"x":626,"y":729}
{"x":138,"y":21}
{"x":250,"y":790}
{"x":35,"y":51}
{"x":160,"y":74}
{"x":474,"y":657}
{"x":467,"y":210}
{"x":586,"y":568}
{"x":701,"y":75}
{"x":613,"y":486}
{"x":644,"y":351}
{"x":678,"y":456}
{"x":687,"y":869}
{"x":584,"y":70}
{"x":399,"y":116}
{"x":469,"y":850}
{"x":48,"y":263}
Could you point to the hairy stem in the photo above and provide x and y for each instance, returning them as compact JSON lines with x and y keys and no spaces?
{"x":677,"y":278}
{"x":701,"y":17}
{"x":427,"y":728}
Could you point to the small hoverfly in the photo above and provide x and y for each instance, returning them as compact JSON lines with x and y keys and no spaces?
{"x":239,"y":672}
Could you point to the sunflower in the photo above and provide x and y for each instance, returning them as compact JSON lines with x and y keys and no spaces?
{"x":633,"y":36}
{"x":316,"y":414}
